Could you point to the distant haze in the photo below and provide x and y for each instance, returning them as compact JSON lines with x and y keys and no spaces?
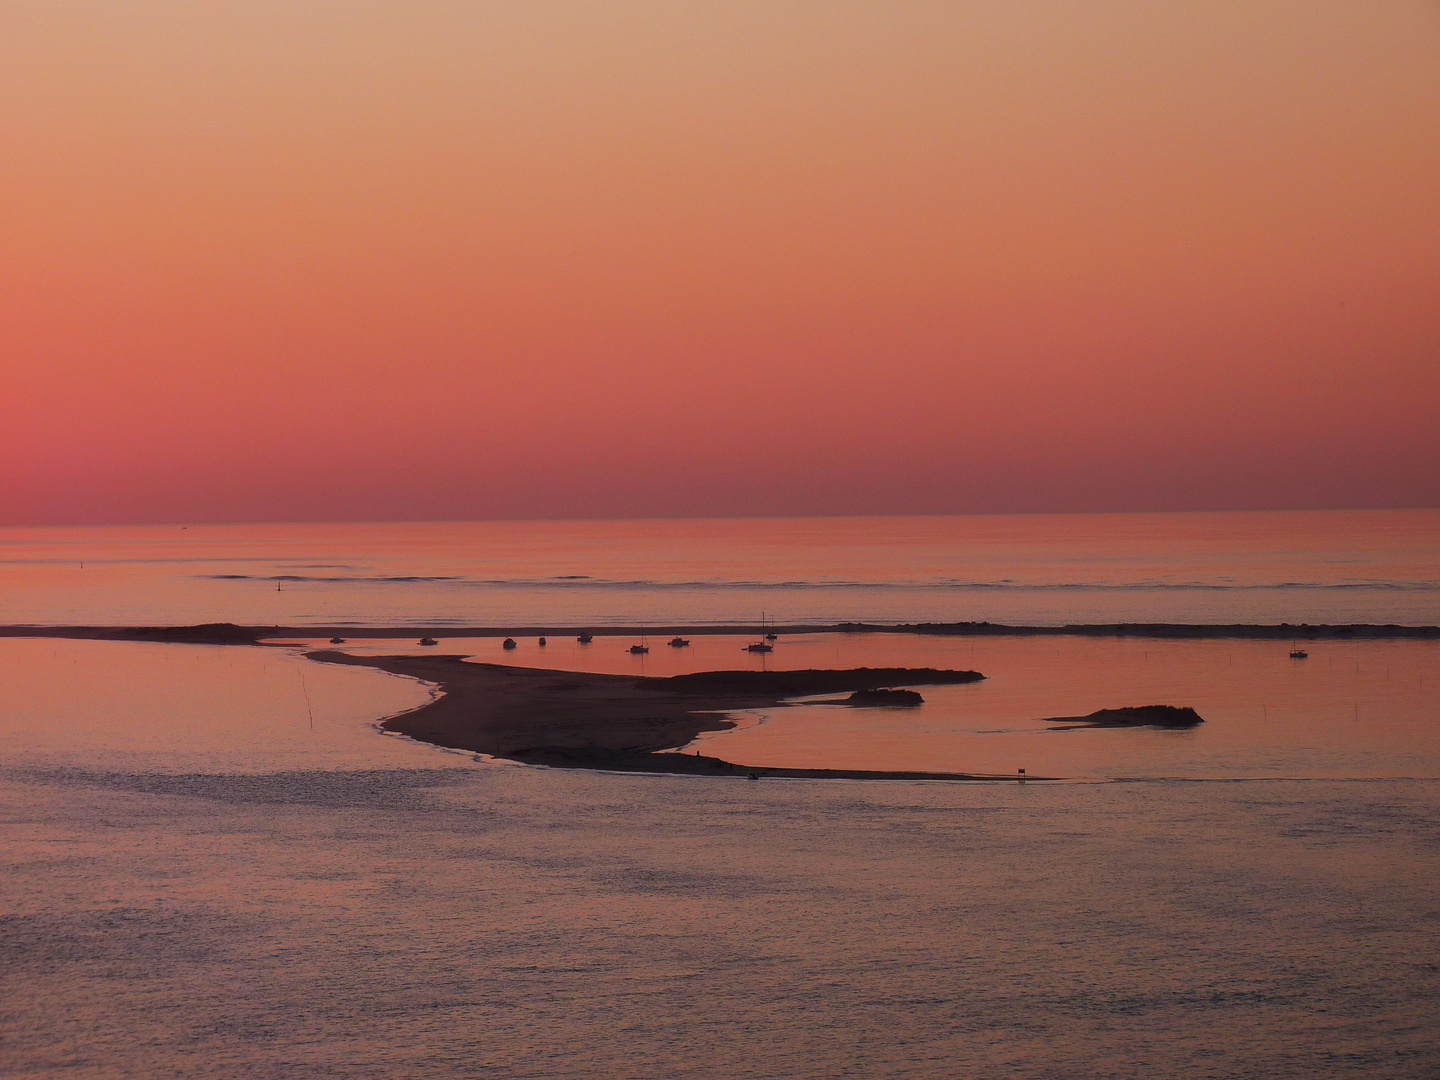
{"x":299,"y":260}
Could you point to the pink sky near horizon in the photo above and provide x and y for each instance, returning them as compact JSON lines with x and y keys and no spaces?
{"x":286,"y":261}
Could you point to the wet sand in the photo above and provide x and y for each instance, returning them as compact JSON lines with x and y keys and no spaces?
{"x":580,"y":720}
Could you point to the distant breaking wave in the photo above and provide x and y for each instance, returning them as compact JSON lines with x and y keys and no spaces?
{"x":581,"y":581}
{"x":340,"y":579}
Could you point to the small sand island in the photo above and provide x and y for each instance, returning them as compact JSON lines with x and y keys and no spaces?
{"x":581,"y":720}
{"x":886,"y":698}
{"x":881,"y":698}
{"x":1165,"y":716}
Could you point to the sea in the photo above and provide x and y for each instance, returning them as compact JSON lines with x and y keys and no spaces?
{"x":1335,"y":567}
{"x":215,"y":864}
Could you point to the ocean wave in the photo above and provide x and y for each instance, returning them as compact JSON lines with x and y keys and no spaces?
{"x":345,"y":579}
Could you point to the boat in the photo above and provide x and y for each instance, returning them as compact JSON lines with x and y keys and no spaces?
{"x":585,"y":639}
{"x":763,"y":645}
{"x":642,"y":648}
{"x":772,"y":636}
{"x":508,"y":643}
{"x":542,"y":641}
{"x":337,"y":641}
{"x":1297,"y":653}
{"x":428,"y":641}
{"x":678,"y":642}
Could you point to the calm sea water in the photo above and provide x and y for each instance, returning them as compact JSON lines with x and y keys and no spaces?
{"x":1356,"y":566}
{"x":213,"y":864}
{"x":1353,"y":709}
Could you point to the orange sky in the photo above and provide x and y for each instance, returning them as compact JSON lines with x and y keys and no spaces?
{"x":291,"y":260}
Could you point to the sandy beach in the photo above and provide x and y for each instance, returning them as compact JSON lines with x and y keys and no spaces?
{"x":569,"y":719}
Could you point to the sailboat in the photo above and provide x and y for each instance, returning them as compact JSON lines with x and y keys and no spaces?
{"x":763,"y":645}
{"x":642,"y":648}
{"x":1297,"y":653}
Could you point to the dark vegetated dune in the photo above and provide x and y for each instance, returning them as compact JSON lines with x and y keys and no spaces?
{"x":231,"y":634}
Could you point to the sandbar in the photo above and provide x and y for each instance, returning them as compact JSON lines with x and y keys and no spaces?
{"x":583,"y":720}
{"x":231,"y":634}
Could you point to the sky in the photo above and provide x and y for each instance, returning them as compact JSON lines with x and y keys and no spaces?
{"x":415,"y":260}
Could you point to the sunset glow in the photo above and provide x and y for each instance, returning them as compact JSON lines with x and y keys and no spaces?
{"x":272,"y":261}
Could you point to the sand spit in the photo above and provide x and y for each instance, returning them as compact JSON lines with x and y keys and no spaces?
{"x":231,"y":634}
{"x":202,"y":634}
{"x":580,"y":720}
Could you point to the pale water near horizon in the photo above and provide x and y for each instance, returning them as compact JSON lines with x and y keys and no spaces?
{"x":1330,"y":567}
{"x":215,"y":865}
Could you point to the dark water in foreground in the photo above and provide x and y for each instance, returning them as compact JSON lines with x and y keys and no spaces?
{"x":253,"y":882}
{"x":512,"y":923}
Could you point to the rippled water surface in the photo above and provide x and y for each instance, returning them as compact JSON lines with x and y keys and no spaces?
{"x":213,"y":865}
{"x":1336,"y":567}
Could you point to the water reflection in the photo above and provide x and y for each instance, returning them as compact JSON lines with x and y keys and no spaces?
{"x":104,"y":705}
{"x":196,"y":882}
{"x":1353,"y":709}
